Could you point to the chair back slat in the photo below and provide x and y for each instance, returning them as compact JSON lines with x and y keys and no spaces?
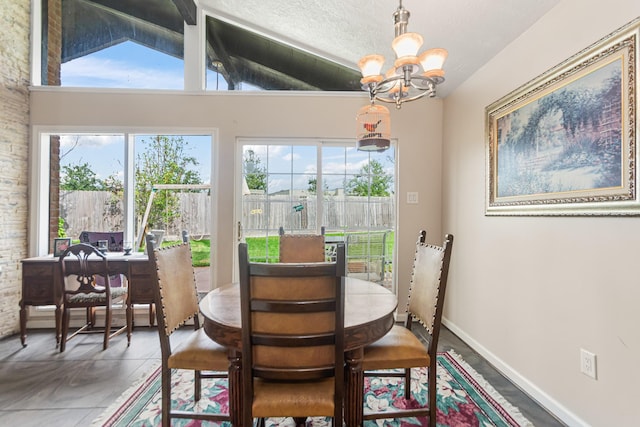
{"x":293,"y":306}
{"x":302,"y":248}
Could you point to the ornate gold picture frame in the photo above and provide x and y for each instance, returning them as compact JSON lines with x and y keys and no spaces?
{"x":565,"y":143}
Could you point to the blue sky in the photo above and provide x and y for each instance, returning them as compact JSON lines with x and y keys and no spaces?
{"x":105,"y":153}
{"x":125,"y":65}
{"x":292,"y":166}
{"x":130,"y":65}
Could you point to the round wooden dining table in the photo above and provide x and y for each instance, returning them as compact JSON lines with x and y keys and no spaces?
{"x":369,"y":315}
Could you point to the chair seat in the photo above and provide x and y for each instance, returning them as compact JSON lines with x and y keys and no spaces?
{"x":298,"y":399}
{"x":200,"y":353}
{"x":94,"y":297}
{"x":399,"y":348}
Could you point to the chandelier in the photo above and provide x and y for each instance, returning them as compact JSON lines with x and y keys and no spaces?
{"x":411,"y":77}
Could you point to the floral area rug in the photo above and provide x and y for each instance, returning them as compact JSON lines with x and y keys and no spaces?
{"x":464,"y":399}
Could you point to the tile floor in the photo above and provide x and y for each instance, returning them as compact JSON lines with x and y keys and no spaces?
{"x":40,"y":386}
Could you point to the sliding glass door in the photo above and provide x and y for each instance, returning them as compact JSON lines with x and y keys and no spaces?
{"x":318,"y":186}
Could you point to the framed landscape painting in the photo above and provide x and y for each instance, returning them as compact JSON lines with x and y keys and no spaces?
{"x":565,"y":143}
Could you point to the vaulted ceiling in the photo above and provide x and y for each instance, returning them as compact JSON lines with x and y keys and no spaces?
{"x":302,"y":44}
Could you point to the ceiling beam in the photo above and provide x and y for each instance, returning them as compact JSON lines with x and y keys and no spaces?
{"x":188,"y":10}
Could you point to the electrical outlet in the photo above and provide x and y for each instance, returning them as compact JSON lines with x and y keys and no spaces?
{"x":412,"y":197}
{"x":588,"y":363}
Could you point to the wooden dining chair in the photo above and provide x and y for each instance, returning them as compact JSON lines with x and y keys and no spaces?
{"x":80,"y":267}
{"x":400,"y":347}
{"x":176,"y":301}
{"x":301,"y":247}
{"x":292,"y":339}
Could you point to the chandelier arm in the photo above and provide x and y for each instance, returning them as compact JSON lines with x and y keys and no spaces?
{"x":398,"y":101}
{"x":371,"y":88}
{"x":383,"y":86}
{"x":421,"y":83}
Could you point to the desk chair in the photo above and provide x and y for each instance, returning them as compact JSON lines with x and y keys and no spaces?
{"x":292,"y":339}
{"x":80,"y":290}
{"x":301,"y":247}
{"x":177,"y":302}
{"x":400,"y":348}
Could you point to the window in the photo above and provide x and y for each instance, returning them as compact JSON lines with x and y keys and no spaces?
{"x":91,"y":196}
{"x":125,"y":65}
{"x":128,"y":44}
{"x":237,"y":58}
{"x":103,"y":181}
{"x":320,"y":186}
{"x":120,"y":45}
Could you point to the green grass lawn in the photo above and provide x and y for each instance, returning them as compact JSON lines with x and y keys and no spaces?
{"x":263,"y":249}
{"x":200,"y":250}
{"x":260,"y":249}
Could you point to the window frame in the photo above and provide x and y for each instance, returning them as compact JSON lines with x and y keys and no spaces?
{"x":40,"y":183}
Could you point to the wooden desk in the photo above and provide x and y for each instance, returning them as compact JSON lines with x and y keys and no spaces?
{"x":369,"y":315}
{"x":41,"y":275}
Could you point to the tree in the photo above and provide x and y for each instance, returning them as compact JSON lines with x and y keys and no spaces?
{"x":113,"y":206}
{"x":372,"y":180}
{"x":254,"y":173}
{"x":80,"y":177}
{"x":313,"y":186}
{"x":164,"y":161}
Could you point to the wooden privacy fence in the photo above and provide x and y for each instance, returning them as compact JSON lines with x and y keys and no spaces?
{"x":262,"y":212}
{"x":103,"y":211}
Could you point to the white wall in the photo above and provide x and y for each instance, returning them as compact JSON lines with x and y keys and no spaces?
{"x":529,"y":292}
{"x":418,"y":128}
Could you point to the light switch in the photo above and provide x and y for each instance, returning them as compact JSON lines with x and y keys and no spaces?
{"x":412,"y":197}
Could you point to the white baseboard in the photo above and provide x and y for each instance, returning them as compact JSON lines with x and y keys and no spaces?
{"x":523,"y":383}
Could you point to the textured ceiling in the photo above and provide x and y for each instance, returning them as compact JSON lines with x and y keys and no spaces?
{"x":473,"y":31}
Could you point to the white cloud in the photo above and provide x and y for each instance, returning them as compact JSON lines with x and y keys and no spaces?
{"x":341,"y":167}
{"x":99,"y":72}
{"x":291,"y":156}
{"x":67,"y":141}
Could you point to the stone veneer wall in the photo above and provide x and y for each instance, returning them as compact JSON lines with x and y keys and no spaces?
{"x":14,"y":149}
